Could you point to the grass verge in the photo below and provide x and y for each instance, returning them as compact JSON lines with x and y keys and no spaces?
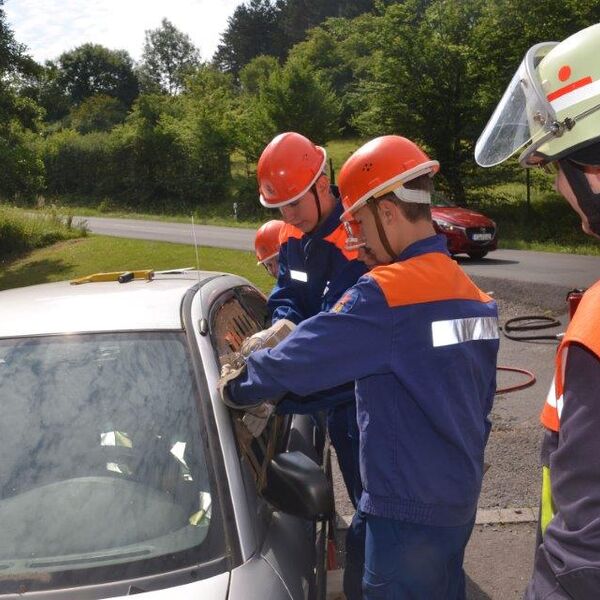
{"x":22,"y":231}
{"x":76,"y":258}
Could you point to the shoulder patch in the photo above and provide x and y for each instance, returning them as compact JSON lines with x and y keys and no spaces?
{"x":346,"y":302}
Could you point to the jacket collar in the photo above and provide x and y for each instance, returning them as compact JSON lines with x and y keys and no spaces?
{"x":433,"y":243}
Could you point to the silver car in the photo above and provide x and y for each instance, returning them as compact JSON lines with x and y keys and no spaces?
{"x":121,"y":472}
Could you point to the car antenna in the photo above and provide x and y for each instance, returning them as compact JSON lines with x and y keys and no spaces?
{"x":196,"y":248}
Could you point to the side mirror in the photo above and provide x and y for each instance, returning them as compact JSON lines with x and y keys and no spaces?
{"x":298,"y":486}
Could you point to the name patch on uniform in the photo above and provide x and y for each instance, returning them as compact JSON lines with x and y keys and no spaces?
{"x":299,"y":275}
{"x":345,"y":303}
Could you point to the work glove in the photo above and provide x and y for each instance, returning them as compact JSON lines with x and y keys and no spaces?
{"x":257,"y":415}
{"x":256,"y":418}
{"x":267,"y":338}
{"x":231,"y":369}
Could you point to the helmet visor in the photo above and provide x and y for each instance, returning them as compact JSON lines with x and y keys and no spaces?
{"x":522,"y":114}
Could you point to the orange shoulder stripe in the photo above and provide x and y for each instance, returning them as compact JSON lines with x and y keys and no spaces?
{"x":289,"y":231}
{"x":338,"y":238}
{"x":431,"y":277}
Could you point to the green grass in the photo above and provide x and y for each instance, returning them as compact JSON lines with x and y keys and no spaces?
{"x":93,"y":254}
{"x":199,"y":218}
{"x":21,"y":231}
{"x":340,"y":150}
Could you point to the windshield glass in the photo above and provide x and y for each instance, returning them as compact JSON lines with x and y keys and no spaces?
{"x":103,"y":465}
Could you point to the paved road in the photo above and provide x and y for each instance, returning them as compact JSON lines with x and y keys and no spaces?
{"x":179,"y":233}
{"x":531,"y":267}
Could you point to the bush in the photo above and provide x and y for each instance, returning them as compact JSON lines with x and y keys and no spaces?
{"x":172,"y":155}
{"x":22,"y":231}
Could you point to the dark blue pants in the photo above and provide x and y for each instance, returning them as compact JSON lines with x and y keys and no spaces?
{"x":408,"y":561}
{"x":343,"y":432}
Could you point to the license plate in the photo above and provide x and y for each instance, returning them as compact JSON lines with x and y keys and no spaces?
{"x":481,"y":237}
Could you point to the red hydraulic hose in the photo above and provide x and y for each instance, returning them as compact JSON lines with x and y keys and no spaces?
{"x":519,"y":386}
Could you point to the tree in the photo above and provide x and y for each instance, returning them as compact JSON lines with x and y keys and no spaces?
{"x":253,"y":29}
{"x":92,"y":69}
{"x":299,"y":16}
{"x":340,"y":51}
{"x":97,"y":113}
{"x":295,"y":99}
{"x":22,"y":171}
{"x":272,"y":27}
{"x":256,"y":73}
{"x":423,"y":79}
{"x":169,"y":56}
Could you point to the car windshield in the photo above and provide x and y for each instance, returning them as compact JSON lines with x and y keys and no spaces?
{"x":103,"y":468}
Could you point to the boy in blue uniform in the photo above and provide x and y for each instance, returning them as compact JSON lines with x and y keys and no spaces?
{"x":315,"y":269}
{"x":421,"y":341}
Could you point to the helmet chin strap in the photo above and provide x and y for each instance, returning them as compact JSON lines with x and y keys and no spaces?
{"x":588,"y":201}
{"x":372,"y":204}
{"x":317,"y":202}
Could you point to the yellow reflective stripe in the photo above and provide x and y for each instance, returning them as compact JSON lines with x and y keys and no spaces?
{"x":547,"y":508}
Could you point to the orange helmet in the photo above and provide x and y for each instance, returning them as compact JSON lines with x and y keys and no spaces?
{"x":287,"y":168}
{"x":381,"y":166}
{"x":266,"y":242}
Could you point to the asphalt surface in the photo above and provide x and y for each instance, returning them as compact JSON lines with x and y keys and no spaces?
{"x":515,"y":265}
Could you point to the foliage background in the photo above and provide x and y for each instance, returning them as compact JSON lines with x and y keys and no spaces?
{"x":174,"y":135}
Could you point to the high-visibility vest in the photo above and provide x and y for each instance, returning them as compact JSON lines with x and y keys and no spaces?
{"x":583,"y":329}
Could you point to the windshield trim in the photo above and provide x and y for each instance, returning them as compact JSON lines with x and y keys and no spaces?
{"x":220,"y":483}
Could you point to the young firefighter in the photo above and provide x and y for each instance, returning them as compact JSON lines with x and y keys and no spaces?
{"x":315,"y":268}
{"x":552,"y":107}
{"x":421,"y":341}
{"x":266,"y":246}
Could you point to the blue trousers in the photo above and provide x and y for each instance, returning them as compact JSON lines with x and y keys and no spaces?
{"x":343,"y":432}
{"x":409,"y":561}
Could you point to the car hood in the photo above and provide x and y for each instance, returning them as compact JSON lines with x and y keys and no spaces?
{"x":464,"y":217}
{"x":214,"y":588}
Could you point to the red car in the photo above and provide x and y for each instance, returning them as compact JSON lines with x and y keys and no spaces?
{"x":467,"y":231}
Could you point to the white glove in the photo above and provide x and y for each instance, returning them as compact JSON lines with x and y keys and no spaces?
{"x":229,"y":371}
{"x":267,"y":338}
{"x":256,"y":418}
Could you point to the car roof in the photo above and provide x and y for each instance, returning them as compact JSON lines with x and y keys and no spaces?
{"x":56,"y":308}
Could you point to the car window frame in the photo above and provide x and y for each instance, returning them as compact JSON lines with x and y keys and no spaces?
{"x":257,"y":452}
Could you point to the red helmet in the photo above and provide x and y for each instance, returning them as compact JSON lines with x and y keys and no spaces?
{"x":266,"y":242}
{"x":287,"y":168}
{"x":380,"y":166}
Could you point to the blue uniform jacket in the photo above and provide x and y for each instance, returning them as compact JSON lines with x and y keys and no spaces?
{"x":315,"y":269}
{"x":421,"y":341}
